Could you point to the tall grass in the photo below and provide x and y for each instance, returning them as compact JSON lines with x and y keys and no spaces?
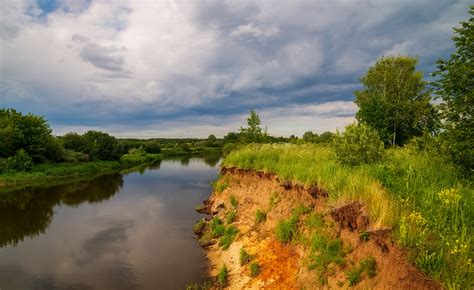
{"x":422,"y":197}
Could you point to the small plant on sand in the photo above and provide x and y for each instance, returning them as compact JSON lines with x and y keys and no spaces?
{"x":199,"y":207}
{"x":233,"y":201}
{"x":205,"y":240}
{"x":324,"y":251}
{"x":300,"y":210}
{"x":315,"y":221}
{"x":230,"y":217}
{"x":206,"y":285}
{"x":364,"y":236}
{"x":220,"y":186}
{"x":199,"y":226}
{"x":216,"y":227}
{"x":222,"y":276}
{"x":274,"y":199}
{"x":353,"y":276}
{"x":228,"y":237}
{"x":260,"y":216}
{"x":254,"y":269}
{"x":286,"y":229}
{"x":244,"y":257}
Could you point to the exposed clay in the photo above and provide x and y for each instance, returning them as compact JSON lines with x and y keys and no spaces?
{"x":284,"y":266}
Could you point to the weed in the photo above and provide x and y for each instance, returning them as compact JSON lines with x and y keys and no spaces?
{"x":315,"y":221}
{"x":216,"y":227}
{"x":260,"y":216}
{"x":199,"y":207}
{"x":228,"y":237}
{"x":199,"y":226}
{"x":324,"y":251}
{"x":222,"y":276}
{"x":353,"y":276}
{"x":274,"y":199}
{"x":220,"y":186}
{"x":244,"y":257}
{"x":286,"y":229}
{"x":254,"y":269}
{"x":206,"y":285}
{"x":233,"y":201}
{"x":300,"y":210}
{"x":230,"y":217}
{"x":364,"y":236}
{"x":369,"y":265}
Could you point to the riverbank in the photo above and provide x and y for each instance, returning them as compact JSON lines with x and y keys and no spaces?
{"x":60,"y":173}
{"x":404,"y":222}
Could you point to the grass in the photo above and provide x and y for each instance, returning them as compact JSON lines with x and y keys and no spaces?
{"x":274,"y":199}
{"x":206,"y":285}
{"x":366,"y":266}
{"x":220,"y":186}
{"x":244,"y":257}
{"x":428,"y":203}
{"x":228,"y":237}
{"x":260,"y":216}
{"x":286,"y":229}
{"x":216,"y":227}
{"x":254,"y":269}
{"x":199,"y":226}
{"x":222,"y":276}
{"x":233,"y":201}
{"x":230,"y":217}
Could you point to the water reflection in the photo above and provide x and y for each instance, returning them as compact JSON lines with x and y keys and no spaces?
{"x":130,"y":231}
{"x":27,"y":213}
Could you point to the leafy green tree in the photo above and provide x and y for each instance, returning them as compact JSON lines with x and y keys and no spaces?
{"x":325,"y":137}
{"x":254,"y":132}
{"x":29,"y":132}
{"x":455,"y":87}
{"x":74,"y":141}
{"x":395,"y":100}
{"x":21,"y":161}
{"x":308,"y":136}
{"x":102,"y":146}
{"x":359,"y":144}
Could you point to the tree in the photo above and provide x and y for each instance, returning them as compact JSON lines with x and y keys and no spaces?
{"x":359,"y":144}
{"x":74,"y":141}
{"x":102,"y":146}
{"x":455,"y":87}
{"x":395,"y":101}
{"x":254,"y":132}
{"x":29,"y":132}
{"x":308,"y":136}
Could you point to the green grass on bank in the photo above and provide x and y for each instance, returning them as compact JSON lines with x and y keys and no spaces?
{"x":46,"y":173}
{"x":422,"y":197}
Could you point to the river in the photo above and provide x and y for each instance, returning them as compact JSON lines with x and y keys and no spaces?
{"x":122,"y":231}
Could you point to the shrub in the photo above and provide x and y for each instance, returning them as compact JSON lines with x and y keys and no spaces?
{"x":21,"y":161}
{"x":228,"y":237}
{"x":230,"y":216}
{"x":222,"y":276}
{"x":233,"y":201}
{"x":359,"y":144}
{"x":286,"y":229}
{"x":260,"y":216}
{"x":369,"y":265}
{"x":353,"y":276}
{"x":244,"y":257}
{"x":254,"y":269}
{"x":216,"y":227}
{"x":74,"y":156}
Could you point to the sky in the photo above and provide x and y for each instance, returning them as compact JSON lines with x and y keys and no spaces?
{"x":192,"y":68}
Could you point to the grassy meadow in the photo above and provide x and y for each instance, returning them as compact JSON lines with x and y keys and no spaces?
{"x":423,"y":198}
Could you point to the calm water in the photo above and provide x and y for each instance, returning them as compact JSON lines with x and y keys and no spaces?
{"x":130,"y":231}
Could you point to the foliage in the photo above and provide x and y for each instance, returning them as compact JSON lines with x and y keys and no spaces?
{"x":230,"y":216}
{"x":220,"y":186}
{"x":73,"y":156}
{"x":216,"y":226}
{"x":29,"y":132}
{"x":228,"y":237}
{"x":222,"y":276}
{"x":233,"y":201}
{"x":21,"y":161}
{"x":394,"y":100}
{"x":274,"y":199}
{"x":254,"y":269}
{"x":413,"y":192}
{"x":199,"y":226}
{"x":367,"y":265}
{"x":244,"y":257}
{"x":286,"y":229}
{"x":455,"y":87}
{"x":75,"y":142}
{"x":260,"y":216}
{"x":254,"y":132}
{"x":359,"y":144}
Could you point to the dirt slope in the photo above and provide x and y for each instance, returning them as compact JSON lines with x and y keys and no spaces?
{"x":285,"y":266}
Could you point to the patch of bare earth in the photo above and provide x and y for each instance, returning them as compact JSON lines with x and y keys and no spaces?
{"x":285,"y":266}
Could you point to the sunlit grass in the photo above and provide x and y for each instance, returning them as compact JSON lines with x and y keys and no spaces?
{"x":422,"y":197}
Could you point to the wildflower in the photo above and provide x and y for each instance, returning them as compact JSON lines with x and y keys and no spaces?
{"x":449,"y":196}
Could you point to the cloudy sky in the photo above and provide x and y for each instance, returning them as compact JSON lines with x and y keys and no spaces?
{"x":191,"y":68}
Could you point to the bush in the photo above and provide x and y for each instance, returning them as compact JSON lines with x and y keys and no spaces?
{"x":254,"y":269}
{"x":244,"y":257}
{"x":73,"y":156}
{"x":222,"y":276}
{"x":21,"y":161}
{"x":260,"y":216}
{"x":286,"y":229}
{"x":359,"y":144}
